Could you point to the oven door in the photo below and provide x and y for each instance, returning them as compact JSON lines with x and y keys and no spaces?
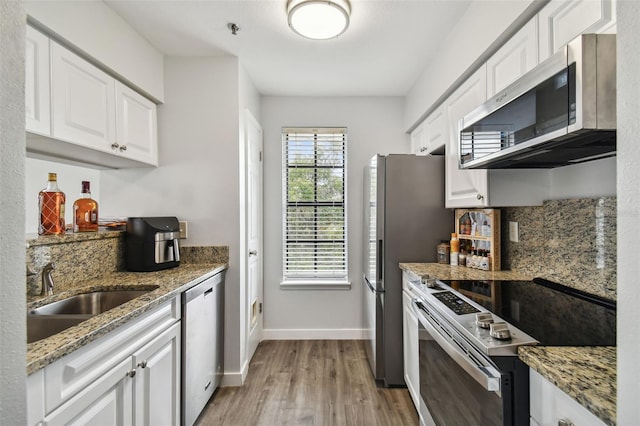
{"x":458,"y":384}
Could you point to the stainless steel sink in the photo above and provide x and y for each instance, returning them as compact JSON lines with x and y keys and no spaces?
{"x":88,"y":303}
{"x":42,"y":326}
{"x":55,"y":317}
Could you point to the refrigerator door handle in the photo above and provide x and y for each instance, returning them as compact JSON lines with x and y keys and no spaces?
{"x":366,"y":281}
{"x":380,"y":257}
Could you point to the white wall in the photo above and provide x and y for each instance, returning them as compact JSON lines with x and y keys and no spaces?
{"x":198,"y":176}
{"x":98,"y":31}
{"x":69,"y":181}
{"x":375,"y":125}
{"x":481,"y":25}
{"x":628,"y":158}
{"x":13,"y":347}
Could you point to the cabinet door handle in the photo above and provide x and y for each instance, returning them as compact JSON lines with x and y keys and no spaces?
{"x":131,"y":373}
{"x":123,"y":148}
{"x":142,"y":364}
{"x":479,"y":196}
{"x":253,"y":252}
{"x":115,"y":145}
{"x":423,"y":149}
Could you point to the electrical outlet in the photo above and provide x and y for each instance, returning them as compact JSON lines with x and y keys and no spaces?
{"x":184,"y":229}
{"x":513,"y":232}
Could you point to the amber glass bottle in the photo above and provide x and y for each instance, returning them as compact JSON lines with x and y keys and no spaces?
{"x":85,"y":211}
{"x":51,"y":208}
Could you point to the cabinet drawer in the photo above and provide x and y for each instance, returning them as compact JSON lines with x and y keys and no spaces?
{"x":74,"y":372}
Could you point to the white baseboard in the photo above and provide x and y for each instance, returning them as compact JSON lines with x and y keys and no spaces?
{"x":314,"y":334}
{"x":235,"y":378}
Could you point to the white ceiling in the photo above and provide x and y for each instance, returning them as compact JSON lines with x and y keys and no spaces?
{"x":387,"y":45}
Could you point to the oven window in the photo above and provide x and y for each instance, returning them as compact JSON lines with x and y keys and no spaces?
{"x":451,"y":395}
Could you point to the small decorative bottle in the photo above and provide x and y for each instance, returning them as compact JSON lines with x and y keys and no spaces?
{"x":51,"y":208}
{"x":85,"y":211}
{"x":455,"y":249}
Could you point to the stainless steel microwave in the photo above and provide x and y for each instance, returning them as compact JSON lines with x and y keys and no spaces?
{"x":561,"y":112}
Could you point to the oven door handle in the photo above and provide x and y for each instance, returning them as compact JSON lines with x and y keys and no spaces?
{"x":488,"y":379}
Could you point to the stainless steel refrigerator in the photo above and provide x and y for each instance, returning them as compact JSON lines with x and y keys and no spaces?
{"x":404,"y":220}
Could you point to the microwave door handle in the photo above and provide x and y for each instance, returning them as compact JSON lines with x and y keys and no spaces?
{"x":482,"y":375}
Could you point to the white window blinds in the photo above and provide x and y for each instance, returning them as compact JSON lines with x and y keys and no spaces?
{"x":314,"y":204}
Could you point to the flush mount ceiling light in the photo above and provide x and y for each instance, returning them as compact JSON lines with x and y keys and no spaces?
{"x":318,"y":19}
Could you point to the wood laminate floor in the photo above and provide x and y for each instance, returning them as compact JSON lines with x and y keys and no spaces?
{"x":310,"y":382}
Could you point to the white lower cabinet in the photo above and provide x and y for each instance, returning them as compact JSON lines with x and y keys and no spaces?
{"x":157,"y":380}
{"x":131,"y":376}
{"x":107,"y":401}
{"x":549,"y":405}
{"x":410,"y":343}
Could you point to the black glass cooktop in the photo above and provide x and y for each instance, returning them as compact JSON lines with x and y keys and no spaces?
{"x":553,"y":314}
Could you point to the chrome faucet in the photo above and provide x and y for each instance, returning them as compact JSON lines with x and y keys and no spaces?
{"x":47,"y":279}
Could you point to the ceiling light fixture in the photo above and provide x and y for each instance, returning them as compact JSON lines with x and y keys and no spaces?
{"x":318,"y":19}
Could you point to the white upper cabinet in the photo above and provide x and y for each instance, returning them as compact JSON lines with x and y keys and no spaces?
{"x":518,"y":56}
{"x":560,"y":21}
{"x":77,"y":113}
{"x":464,"y":188}
{"x":418,"y":140}
{"x":37,"y":95}
{"x":136,"y":125}
{"x":429,"y":136}
{"x":83,"y":99}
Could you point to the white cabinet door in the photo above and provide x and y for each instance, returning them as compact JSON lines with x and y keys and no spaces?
{"x":549,"y":405}
{"x":435,"y":131}
{"x":464,"y":188}
{"x":36,"y":87}
{"x":136,"y":126}
{"x":107,"y":401}
{"x":561,"y":21}
{"x":410,"y":350}
{"x":518,"y":56}
{"x":418,"y":140}
{"x":83,"y":104}
{"x":157,"y":380}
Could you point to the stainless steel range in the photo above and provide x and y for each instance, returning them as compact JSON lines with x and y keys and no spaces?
{"x":469,"y":334}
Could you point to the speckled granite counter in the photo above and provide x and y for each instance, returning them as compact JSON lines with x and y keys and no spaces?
{"x":448,"y":272}
{"x":586,"y":374}
{"x":169,"y":283}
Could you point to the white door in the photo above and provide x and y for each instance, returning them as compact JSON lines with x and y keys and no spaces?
{"x":253,"y":204}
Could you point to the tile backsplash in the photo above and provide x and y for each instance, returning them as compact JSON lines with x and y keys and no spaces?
{"x":572,"y":242}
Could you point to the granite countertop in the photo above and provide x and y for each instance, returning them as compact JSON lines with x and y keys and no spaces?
{"x":169,"y":282}
{"x":586,"y":374}
{"x":448,"y":272}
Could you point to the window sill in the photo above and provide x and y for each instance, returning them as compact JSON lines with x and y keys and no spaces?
{"x":315,"y":285}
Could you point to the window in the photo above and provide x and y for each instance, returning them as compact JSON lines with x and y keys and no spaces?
{"x":314,"y":208}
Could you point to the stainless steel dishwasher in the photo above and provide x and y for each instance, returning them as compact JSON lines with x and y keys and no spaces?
{"x":202,"y":345}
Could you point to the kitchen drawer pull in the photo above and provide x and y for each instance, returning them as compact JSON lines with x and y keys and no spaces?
{"x":143,"y":364}
{"x":208,"y":291}
{"x":115,"y":145}
{"x":479,"y":196}
{"x":123,"y":148}
{"x":131,"y":373}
